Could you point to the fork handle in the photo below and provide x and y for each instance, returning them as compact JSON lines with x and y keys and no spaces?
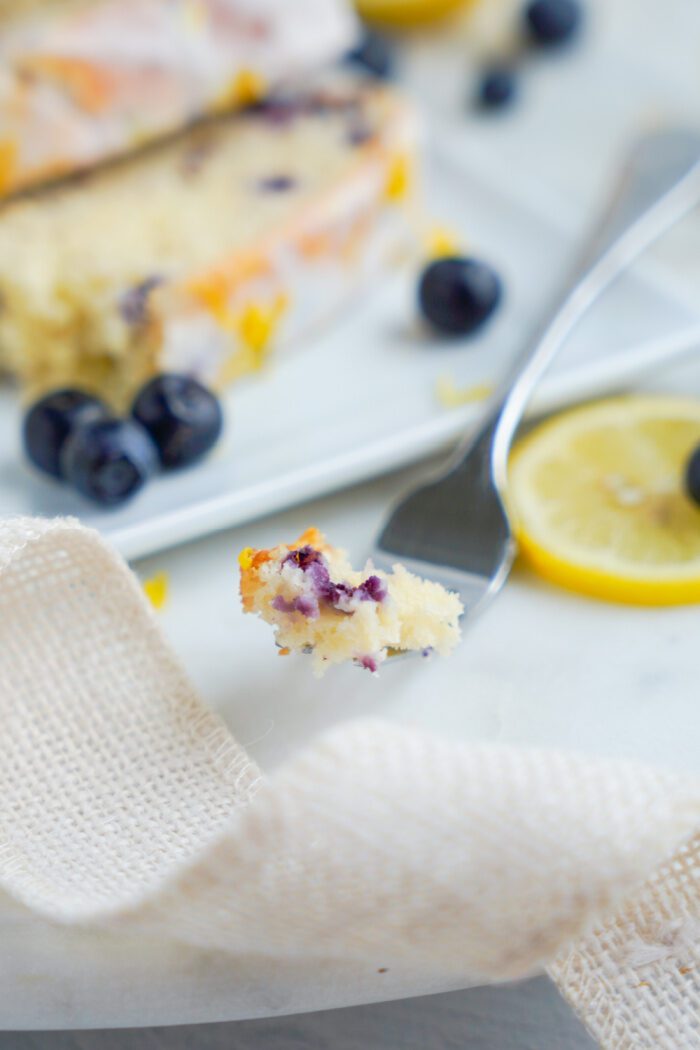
{"x":659,"y":203}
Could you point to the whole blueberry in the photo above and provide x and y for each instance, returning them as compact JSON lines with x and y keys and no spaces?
{"x":182,"y":416}
{"x":498,"y":87}
{"x":50,"y":421}
{"x":553,"y":22}
{"x":457,"y":295}
{"x":374,"y":54}
{"x":109,"y":460}
{"x":692,"y":476}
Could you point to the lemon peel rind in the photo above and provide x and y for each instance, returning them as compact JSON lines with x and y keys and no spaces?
{"x":415,"y":13}
{"x":596,"y":583}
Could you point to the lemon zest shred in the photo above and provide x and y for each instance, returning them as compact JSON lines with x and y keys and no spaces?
{"x":8,"y":163}
{"x":245,"y":88}
{"x":257,"y":324}
{"x":451,"y":396}
{"x":441,"y":242}
{"x":245,"y":558}
{"x":156,"y":588}
{"x":399,"y":178}
{"x":212,"y":292}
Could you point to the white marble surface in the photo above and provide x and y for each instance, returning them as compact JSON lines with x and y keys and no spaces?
{"x":526,"y":1016}
{"x":542,"y":667}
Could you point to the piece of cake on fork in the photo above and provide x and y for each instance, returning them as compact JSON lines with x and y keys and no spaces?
{"x":319,"y":605}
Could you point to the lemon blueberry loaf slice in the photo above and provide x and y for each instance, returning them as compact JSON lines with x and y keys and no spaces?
{"x":84,"y":80}
{"x":202,"y":254}
{"x":319,"y":605}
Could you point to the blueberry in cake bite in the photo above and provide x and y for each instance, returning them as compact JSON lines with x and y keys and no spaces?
{"x":109,"y":460}
{"x":50,"y":421}
{"x":319,"y":605}
{"x":457,"y":295}
{"x":182,"y":417}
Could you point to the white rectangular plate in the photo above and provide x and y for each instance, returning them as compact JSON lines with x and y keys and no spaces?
{"x":361,"y":399}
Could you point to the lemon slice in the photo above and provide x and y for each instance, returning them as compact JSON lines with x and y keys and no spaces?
{"x":597,"y":496}
{"x":408,"y":12}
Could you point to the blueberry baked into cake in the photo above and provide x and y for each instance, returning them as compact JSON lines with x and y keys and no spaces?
{"x":201,"y":254}
{"x":319,"y":605}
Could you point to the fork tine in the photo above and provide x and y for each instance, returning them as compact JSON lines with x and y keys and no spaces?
{"x":474,"y":589}
{"x":454,"y":530}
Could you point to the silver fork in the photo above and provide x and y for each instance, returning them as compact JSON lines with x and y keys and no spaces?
{"x":454,"y":528}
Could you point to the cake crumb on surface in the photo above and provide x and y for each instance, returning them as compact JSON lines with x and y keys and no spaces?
{"x":452,"y":396}
{"x":157,"y":589}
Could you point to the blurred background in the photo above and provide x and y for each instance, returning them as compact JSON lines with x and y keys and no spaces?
{"x":526,"y":111}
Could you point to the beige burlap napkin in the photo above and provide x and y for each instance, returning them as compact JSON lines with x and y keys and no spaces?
{"x":124,"y":802}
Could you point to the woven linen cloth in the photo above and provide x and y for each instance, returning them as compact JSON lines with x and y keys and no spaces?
{"x":125,"y":803}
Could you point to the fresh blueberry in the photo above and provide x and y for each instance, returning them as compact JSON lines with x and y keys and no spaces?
{"x":49,"y":422}
{"x":692,"y":476}
{"x":374,"y":54}
{"x":183,"y":418}
{"x":109,"y":460}
{"x":553,"y":22}
{"x":497,"y":87}
{"x":457,"y":295}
